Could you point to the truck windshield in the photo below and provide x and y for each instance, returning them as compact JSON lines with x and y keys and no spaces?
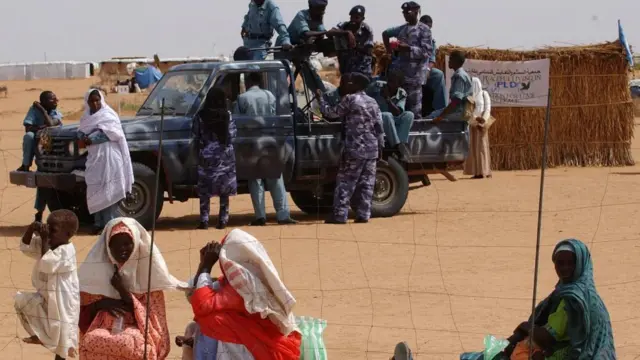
{"x":179,"y":89}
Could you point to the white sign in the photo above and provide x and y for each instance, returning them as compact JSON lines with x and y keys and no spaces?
{"x":510,"y":83}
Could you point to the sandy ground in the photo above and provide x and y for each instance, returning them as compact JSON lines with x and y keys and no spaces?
{"x":456,"y":264}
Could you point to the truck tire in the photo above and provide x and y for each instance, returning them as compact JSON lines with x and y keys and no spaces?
{"x":310,"y":204}
{"x":139,"y":204}
{"x":391,"y":190}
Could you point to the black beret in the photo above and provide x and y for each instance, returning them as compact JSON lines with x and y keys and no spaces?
{"x":410,"y":5}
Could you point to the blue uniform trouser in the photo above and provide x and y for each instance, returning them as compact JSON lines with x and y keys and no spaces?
{"x":28,"y":148}
{"x":436,"y":85}
{"x":102,"y":217}
{"x":278,"y":195}
{"x":396,"y":128}
{"x":254,"y":44}
{"x":41,"y":200}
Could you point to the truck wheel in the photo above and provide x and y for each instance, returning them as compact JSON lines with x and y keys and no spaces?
{"x":140,"y":204}
{"x":391,"y":189}
{"x":310,"y":204}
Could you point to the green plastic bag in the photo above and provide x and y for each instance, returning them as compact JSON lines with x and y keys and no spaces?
{"x":493,"y":346}
{"x":312,"y":346}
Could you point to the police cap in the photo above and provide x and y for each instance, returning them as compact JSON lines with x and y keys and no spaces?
{"x":318,"y":3}
{"x":357,"y":10}
{"x":410,"y":5}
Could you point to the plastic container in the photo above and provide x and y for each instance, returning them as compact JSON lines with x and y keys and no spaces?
{"x":118,"y":326}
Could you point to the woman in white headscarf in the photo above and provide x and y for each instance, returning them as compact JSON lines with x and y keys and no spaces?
{"x":478,"y":163}
{"x":114,"y":290}
{"x":108,"y":174}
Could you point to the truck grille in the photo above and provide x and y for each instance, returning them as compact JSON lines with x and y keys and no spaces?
{"x":58,"y":148}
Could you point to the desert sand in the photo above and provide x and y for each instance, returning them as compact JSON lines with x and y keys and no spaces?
{"x":456,"y":264}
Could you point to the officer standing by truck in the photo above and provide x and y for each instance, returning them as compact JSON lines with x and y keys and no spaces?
{"x":259,"y":23}
{"x":363,"y":139}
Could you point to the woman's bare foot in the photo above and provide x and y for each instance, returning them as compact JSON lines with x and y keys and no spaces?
{"x":32,"y":340}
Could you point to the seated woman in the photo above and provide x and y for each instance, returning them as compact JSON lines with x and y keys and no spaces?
{"x":572,"y":322}
{"x":248,"y":309}
{"x":113,"y":296}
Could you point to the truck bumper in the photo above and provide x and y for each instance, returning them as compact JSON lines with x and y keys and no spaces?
{"x":64,"y":182}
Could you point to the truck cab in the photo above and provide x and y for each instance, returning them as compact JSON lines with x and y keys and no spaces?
{"x":294,"y":142}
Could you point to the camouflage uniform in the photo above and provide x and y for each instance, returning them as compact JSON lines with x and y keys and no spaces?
{"x":362,"y":136}
{"x":353,"y":60}
{"x":216,"y":171}
{"x":415,"y":63}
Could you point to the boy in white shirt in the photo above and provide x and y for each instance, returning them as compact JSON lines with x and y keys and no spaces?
{"x":50,"y":315}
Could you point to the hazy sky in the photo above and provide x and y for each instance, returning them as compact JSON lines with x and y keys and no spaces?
{"x":98,"y":30}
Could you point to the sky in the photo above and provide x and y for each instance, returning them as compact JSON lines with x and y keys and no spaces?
{"x":39,"y":30}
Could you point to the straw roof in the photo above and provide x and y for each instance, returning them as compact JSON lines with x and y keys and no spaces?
{"x":591,"y":109}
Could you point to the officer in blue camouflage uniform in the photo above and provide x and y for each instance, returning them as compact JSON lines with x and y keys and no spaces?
{"x":363,"y":139}
{"x":259,"y":23}
{"x":359,"y":57}
{"x":214,"y":133}
{"x":434,"y":92}
{"x":414,"y":51}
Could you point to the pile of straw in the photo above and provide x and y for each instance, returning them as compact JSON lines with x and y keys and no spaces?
{"x":591,"y":109}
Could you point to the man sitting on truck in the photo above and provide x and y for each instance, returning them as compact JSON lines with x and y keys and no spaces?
{"x":260,"y":102}
{"x":41,"y":115}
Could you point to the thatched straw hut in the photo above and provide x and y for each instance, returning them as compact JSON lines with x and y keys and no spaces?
{"x":591,"y":109}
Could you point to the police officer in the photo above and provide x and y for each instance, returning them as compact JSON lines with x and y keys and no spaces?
{"x":259,"y":23}
{"x":363,"y":137}
{"x":359,"y":56}
{"x":414,"y":51}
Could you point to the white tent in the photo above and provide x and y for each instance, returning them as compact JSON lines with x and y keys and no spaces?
{"x":45,"y":70}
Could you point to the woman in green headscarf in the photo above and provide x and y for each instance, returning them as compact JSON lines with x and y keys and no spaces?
{"x":572,"y":322}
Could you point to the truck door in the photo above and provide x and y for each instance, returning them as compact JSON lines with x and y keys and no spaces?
{"x":264,"y":142}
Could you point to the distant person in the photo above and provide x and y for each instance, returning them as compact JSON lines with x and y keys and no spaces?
{"x":458,"y":93}
{"x":359,"y":56}
{"x":41,"y":115}
{"x":258,"y":26}
{"x":363,"y":139}
{"x":434,"y":93}
{"x":478,"y":164}
{"x":415,"y":48}
{"x":257,"y":101}
{"x":50,"y":315}
{"x":109,"y":173}
{"x":395,"y":120}
{"x":217,"y":160}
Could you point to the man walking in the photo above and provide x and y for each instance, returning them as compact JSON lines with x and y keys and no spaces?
{"x":260,"y":102}
{"x":259,"y":24}
{"x":415,"y":48}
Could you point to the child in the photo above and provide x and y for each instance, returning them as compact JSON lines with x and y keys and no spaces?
{"x":50,"y":315}
{"x":214,"y":134}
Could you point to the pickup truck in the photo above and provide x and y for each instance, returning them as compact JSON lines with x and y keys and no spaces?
{"x":294,"y":142}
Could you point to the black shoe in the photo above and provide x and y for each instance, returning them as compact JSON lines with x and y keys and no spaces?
{"x":288,"y":221}
{"x":361,"y":221}
{"x":38,"y":216}
{"x":259,"y":222}
{"x":203,"y":225}
{"x":23,"y":168}
{"x":426,"y":181}
{"x":334,"y":221}
{"x":221,"y":225}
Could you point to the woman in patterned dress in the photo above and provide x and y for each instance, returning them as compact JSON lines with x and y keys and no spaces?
{"x":114,"y":290}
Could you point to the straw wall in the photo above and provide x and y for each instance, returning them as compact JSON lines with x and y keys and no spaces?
{"x":591,"y":110}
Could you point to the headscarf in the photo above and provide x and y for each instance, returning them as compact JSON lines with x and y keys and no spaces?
{"x":215,"y":116}
{"x":96,"y":271}
{"x":249,"y":270}
{"x":589,"y":326}
{"x":476,"y":87}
